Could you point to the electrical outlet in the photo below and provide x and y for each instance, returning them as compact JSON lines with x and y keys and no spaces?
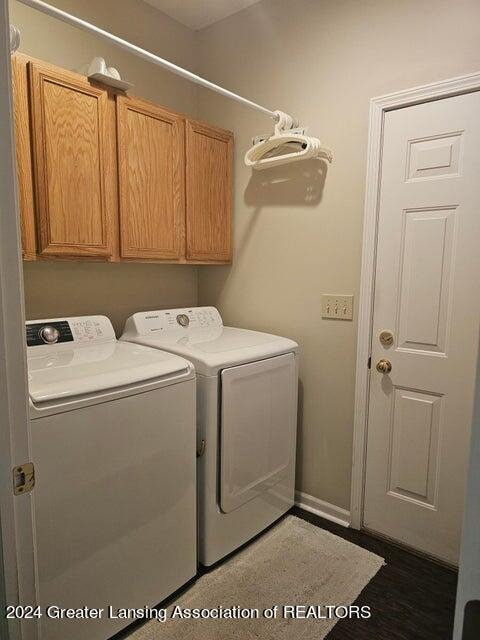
{"x":337,"y":307}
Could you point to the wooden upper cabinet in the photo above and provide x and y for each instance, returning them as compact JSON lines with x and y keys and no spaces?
{"x":103,"y":176}
{"x":209,"y":153}
{"x":23,"y":156}
{"x":151,"y":162}
{"x":73,"y":169}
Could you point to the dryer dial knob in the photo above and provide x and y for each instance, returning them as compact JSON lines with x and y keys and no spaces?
{"x":183,"y":319}
{"x":49,"y":334}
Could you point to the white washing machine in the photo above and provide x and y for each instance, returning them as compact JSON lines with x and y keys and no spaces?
{"x":113,"y":443}
{"x":246,"y":420}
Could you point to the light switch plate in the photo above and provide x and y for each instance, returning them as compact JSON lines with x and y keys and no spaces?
{"x":337,"y":306}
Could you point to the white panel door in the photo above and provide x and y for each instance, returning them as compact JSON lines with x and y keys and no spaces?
{"x":258,"y":427}
{"x":427,"y":295}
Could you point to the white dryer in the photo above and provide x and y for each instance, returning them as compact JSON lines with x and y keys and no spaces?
{"x":113,"y":444}
{"x":246,"y":420}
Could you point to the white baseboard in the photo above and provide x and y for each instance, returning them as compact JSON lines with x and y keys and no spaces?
{"x":322,"y":508}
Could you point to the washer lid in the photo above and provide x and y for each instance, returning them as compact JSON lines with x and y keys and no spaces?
{"x":212,"y":349}
{"x":61,"y":371}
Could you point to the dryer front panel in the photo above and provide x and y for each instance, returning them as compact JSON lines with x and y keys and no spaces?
{"x":258,"y":428}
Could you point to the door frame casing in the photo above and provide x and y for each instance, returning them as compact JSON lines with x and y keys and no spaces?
{"x":17,"y":564}
{"x":378,"y":108}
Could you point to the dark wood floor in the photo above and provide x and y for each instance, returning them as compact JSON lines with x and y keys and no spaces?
{"x":411,"y":598}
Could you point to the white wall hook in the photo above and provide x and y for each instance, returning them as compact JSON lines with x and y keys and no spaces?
{"x":14,"y":38}
{"x":99,"y":72}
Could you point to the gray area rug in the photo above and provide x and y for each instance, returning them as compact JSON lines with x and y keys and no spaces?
{"x":295,"y":563}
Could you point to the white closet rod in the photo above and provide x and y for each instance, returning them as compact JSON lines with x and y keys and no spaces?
{"x":142,"y":53}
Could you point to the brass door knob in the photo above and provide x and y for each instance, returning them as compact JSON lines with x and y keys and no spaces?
{"x":384,"y":366}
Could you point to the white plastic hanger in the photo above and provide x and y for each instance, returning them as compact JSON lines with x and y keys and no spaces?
{"x":262,"y":155}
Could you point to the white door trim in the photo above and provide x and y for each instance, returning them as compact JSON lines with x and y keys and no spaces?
{"x":378,"y":107}
{"x":17,"y":575}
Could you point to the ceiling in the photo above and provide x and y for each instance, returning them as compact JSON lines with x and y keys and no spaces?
{"x":197,"y":14}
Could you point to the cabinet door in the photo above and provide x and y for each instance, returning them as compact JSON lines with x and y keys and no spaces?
{"x":151,"y":164}
{"x":209,"y":193}
{"x":74,"y":173}
{"x":26,"y":200}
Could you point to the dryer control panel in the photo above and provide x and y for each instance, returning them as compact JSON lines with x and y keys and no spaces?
{"x":174,"y":320}
{"x":79,"y":330}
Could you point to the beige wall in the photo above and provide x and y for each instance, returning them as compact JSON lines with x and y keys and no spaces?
{"x":54,"y":289}
{"x":58,"y":289}
{"x":298,"y":231}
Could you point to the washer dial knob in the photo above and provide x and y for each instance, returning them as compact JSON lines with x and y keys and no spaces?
{"x":183,"y":320}
{"x":49,"y":334}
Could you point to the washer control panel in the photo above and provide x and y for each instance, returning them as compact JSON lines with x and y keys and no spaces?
{"x":48,"y":333}
{"x":79,"y":330}
{"x":174,"y":320}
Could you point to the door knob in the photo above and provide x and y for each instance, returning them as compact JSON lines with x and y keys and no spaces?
{"x":384,"y":366}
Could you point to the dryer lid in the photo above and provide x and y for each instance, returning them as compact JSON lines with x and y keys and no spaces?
{"x":204,"y":341}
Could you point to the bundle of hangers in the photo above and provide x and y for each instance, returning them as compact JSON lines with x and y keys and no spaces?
{"x":287,"y":144}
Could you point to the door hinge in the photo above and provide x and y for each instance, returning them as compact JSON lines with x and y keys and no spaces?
{"x":369,"y":362}
{"x":201,"y":449}
{"x":23,"y":478}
